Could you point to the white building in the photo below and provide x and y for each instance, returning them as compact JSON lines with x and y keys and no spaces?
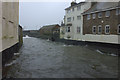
{"x":74,"y":20}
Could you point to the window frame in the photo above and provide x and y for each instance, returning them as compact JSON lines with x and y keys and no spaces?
{"x":79,"y":17}
{"x":69,"y":19}
{"x":117,"y":11}
{"x":93,"y":15}
{"x":93,"y":29}
{"x":78,"y":8}
{"x":99,"y":15}
{"x":107,"y":13}
{"x":73,"y":9}
{"x":78,"y":30}
{"x":68,"y":29}
{"x":88,"y":17}
{"x":99,"y":29}
{"x":118,"y":29}
{"x":106,"y":29}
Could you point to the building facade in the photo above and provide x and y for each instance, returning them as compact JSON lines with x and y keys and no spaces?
{"x":9,"y":40}
{"x":50,"y":31}
{"x":102,"y":25}
{"x":73,"y":20}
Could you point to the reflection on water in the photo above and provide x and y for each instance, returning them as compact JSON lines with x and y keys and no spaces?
{"x":45,"y":59}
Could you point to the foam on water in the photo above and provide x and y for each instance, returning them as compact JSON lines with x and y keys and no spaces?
{"x":113,"y":55}
{"x":99,"y":51}
{"x":16,"y":54}
{"x":26,"y":36}
{"x":11,"y":63}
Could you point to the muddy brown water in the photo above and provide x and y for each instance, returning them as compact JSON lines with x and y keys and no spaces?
{"x":46,"y":59}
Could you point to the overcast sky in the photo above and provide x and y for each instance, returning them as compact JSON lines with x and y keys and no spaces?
{"x":34,"y":15}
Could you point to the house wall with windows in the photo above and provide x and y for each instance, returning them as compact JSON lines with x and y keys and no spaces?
{"x":74,"y":20}
{"x":103,"y":26}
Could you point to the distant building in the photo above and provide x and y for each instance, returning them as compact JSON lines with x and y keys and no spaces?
{"x":101,"y":23}
{"x":50,"y":31}
{"x":73,"y":21}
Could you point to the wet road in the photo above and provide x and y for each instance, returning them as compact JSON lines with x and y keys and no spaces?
{"x":45,"y":59}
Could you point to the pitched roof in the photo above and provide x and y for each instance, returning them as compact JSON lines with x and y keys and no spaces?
{"x":49,"y":26}
{"x":101,"y":6}
{"x":77,"y":4}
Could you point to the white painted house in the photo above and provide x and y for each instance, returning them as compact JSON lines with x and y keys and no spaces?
{"x":73,"y":20}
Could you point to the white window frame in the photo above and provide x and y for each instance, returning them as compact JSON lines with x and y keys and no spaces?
{"x":69,"y":19}
{"x":99,"y":15}
{"x":73,"y":9}
{"x":79,"y":17}
{"x":93,"y":15}
{"x":106,"y":28}
{"x":117,"y":11}
{"x":73,"y":18}
{"x":68,"y":29}
{"x":78,"y":29}
{"x":78,"y":8}
{"x":99,"y":29}
{"x":93,"y":30}
{"x":106,"y":14}
{"x":88,"y":17}
{"x":118,"y":29}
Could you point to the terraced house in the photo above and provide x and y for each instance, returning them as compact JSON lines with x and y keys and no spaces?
{"x":92,"y":22}
{"x":73,"y":20}
{"x":101,"y":23}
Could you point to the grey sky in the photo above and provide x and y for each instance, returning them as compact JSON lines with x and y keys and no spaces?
{"x":34,"y":15}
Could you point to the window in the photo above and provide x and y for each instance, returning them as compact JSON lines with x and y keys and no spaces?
{"x":99,"y":29}
{"x":73,"y":9}
{"x":88,"y":17}
{"x":78,"y":7}
{"x":117,"y":11}
{"x":107,"y":14}
{"x":94,"y":29}
{"x":107,"y":29}
{"x":69,"y":19}
{"x":118,"y":29}
{"x":78,"y":29}
{"x":68,"y":11}
{"x":93,"y":15}
{"x":73,"y":18}
{"x":68,"y":30}
{"x":78,"y":17}
{"x":100,"y":15}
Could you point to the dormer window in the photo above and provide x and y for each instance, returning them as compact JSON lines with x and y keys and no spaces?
{"x":99,"y":15}
{"x":88,"y":17}
{"x":117,"y":11}
{"x":107,"y":14}
{"x":94,"y":16}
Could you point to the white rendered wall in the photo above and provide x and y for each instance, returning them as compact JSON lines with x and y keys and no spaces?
{"x":10,"y":22}
{"x":76,"y":23}
{"x":102,"y":38}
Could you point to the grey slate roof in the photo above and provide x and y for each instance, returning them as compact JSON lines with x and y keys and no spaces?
{"x":101,"y":6}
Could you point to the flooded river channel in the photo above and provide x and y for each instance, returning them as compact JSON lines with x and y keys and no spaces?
{"x":41,"y":58}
